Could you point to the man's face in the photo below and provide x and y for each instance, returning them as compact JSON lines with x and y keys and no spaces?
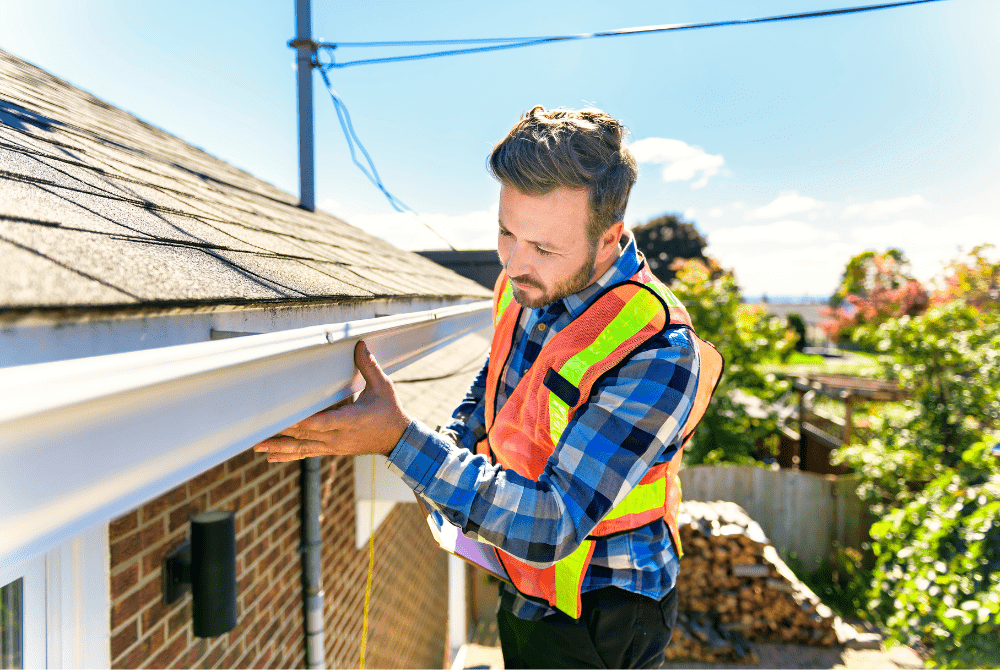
{"x":543,"y":244}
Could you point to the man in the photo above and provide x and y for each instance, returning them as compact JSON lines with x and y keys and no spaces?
{"x":565,"y":451}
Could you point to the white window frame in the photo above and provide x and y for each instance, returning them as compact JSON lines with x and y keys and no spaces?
{"x":66,"y":605}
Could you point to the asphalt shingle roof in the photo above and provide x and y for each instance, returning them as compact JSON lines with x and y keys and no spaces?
{"x":98,"y":208}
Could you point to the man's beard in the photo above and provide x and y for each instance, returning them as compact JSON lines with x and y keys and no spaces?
{"x":576,"y":282}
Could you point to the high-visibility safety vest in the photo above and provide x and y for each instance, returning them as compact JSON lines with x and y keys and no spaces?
{"x":526,"y":430}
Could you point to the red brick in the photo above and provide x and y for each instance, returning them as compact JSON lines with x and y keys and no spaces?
{"x":214,"y":656}
{"x":258,"y":469}
{"x":244,"y":662}
{"x":268,"y":484}
{"x":234,"y":653}
{"x":166,"y":657}
{"x":179,"y":619}
{"x":206,"y":479}
{"x":140,"y":654}
{"x":169,"y":499}
{"x":278,"y":495}
{"x":152,"y":561}
{"x":225,"y":489}
{"x":152,"y":533}
{"x":263,"y":661}
{"x":153,"y":614}
{"x":195,"y":651}
{"x":129,"y":606}
{"x":242,"y":460}
{"x":124,"y":639}
{"x":125,"y":549}
{"x":247,"y":578}
{"x":245,"y":499}
{"x":271,"y":558}
{"x":243,"y":541}
{"x":124,"y":580}
{"x":123,"y":525}
{"x":256,"y":551}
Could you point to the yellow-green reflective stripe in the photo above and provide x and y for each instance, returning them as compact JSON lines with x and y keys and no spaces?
{"x":558,"y":417}
{"x":636,"y":313}
{"x":569,"y":575}
{"x":633,"y":317}
{"x":665,"y":293}
{"x":642,"y":498}
{"x":505,"y":297}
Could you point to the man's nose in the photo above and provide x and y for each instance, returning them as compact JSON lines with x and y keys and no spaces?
{"x":517,"y":262}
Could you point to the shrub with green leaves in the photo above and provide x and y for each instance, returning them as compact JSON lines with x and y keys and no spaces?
{"x":932,"y":479}
{"x":732,"y":431}
{"x":939,"y":565}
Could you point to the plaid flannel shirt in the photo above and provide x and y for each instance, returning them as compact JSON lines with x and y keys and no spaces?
{"x":631,"y":421}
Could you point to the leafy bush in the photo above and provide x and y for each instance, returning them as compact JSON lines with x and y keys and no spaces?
{"x":939,"y":565}
{"x":737,"y":422}
{"x":936,"y":486}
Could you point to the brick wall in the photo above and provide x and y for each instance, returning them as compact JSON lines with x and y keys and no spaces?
{"x":147,"y":634}
{"x":409,"y":606}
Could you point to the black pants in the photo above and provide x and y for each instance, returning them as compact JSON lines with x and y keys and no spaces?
{"x":618,"y":629}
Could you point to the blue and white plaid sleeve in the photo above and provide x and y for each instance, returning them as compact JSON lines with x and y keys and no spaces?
{"x":632,"y":420}
{"x":468,"y":424}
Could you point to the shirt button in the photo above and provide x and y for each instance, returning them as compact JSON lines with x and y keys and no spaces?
{"x":541,"y":327}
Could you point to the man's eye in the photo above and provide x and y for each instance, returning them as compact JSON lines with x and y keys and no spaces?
{"x":543,"y":252}
{"x":505,"y":233}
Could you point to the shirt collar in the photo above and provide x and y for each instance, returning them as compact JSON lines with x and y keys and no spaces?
{"x":627,"y":264}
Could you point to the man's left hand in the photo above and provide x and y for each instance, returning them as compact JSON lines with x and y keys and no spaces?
{"x":372,"y":424}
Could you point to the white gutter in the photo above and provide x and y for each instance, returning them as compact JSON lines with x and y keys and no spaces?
{"x":86,"y":440}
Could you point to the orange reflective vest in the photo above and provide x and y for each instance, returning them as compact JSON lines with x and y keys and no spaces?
{"x":524,"y":433}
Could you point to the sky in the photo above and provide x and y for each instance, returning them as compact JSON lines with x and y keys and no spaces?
{"x":791,"y":146}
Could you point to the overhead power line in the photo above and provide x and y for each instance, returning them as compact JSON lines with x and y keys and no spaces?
{"x":502,"y":43}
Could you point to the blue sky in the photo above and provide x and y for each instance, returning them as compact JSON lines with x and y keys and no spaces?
{"x":793,"y":146}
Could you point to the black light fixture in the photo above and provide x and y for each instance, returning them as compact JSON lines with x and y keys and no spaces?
{"x":207,"y":566}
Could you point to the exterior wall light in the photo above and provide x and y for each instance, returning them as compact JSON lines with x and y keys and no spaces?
{"x":207,"y":566}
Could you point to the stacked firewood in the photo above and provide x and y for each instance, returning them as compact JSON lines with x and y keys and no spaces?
{"x":733,"y":587}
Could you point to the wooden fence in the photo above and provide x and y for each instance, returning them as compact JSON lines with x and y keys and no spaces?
{"x":801,"y":512}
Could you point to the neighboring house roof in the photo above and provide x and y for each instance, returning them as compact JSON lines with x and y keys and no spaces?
{"x":100,"y":209}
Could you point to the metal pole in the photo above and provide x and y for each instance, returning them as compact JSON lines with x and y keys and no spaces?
{"x":306,"y":48}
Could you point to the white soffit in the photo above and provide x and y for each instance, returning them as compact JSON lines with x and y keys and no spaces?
{"x":83,"y":441}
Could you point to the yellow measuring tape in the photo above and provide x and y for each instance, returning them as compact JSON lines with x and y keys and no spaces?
{"x":371,"y":570}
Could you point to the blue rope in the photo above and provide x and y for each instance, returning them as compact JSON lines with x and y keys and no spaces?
{"x":369,"y":171}
{"x":518,"y":42}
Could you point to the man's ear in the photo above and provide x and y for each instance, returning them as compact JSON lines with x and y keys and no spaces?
{"x":608,"y":244}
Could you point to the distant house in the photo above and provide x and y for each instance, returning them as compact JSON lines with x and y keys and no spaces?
{"x":160,"y":312}
{"x":479,"y":265}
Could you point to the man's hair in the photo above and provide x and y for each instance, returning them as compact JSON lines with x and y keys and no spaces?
{"x":583,"y":148}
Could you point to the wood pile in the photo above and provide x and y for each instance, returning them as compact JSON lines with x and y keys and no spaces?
{"x":734,"y":588}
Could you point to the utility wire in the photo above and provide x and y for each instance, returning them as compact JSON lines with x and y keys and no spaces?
{"x":369,"y":171}
{"x":500,"y":43}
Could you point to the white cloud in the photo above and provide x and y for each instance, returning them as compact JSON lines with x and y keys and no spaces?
{"x":812,"y":270}
{"x":470,"y":230}
{"x":778,"y":232}
{"x":690,"y":213}
{"x":881,"y":208}
{"x":683,"y":161}
{"x":715,"y":211}
{"x":787,"y":202}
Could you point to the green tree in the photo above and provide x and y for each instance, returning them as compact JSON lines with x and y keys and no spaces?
{"x":738,"y":422}
{"x":664,"y":240}
{"x":875,"y":287}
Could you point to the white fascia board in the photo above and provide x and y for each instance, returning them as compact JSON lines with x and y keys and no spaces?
{"x":83,"y":441}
